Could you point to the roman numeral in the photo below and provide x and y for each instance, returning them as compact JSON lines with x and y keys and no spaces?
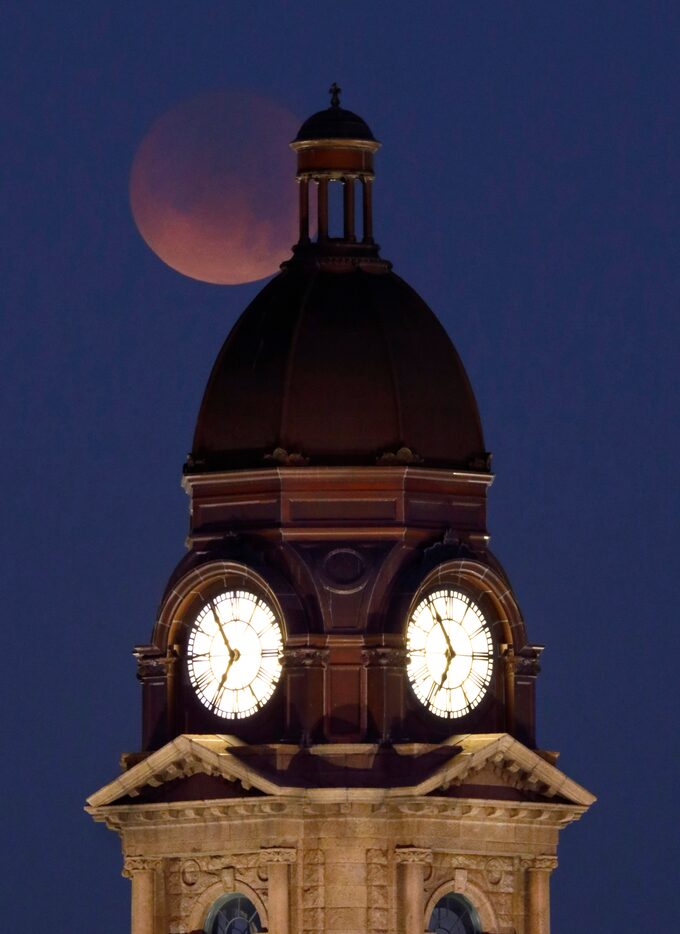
{"x":204,"y":679}
{"x":421,"y":673}
{"x":217,"y":699}
{"x":476,"y":679}
{"x":264,"y":676}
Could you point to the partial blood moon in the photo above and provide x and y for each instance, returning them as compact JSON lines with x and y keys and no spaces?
{"x":212,"y":187}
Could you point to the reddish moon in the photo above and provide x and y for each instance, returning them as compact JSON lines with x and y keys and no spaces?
{"x":212,"y":187}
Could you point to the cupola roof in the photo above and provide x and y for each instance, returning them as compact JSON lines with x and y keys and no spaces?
{"x":334,"y":123}
{"x":337,"y":361}
{"x":329,"y":368}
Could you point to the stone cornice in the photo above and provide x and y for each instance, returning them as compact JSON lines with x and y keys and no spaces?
{"x":465,"y":810}
{"x":390,"y":476}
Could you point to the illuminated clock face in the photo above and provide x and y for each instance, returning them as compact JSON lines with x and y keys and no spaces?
{"x":450,"y":653}
{"x":234,"y":654}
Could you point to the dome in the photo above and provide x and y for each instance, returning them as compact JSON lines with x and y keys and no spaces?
{"x":329,"y":367}
{"x":334,"y":123}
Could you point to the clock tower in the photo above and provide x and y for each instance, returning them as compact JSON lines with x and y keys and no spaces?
{"x":338,"y":716}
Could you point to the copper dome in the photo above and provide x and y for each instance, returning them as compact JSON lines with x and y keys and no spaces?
{"x":334,"y":123}
{"x":337,"y":368}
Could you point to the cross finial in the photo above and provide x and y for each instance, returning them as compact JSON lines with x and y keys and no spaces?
{"x":334,"y":92}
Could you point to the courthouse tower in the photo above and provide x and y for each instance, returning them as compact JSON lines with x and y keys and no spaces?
{"x":338,"y":696}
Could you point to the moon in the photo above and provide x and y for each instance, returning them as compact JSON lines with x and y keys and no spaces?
{"x":212,"y":187}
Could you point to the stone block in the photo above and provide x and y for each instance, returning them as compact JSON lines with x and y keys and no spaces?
{"x":346,"y":919}
{"x":345,"y":896}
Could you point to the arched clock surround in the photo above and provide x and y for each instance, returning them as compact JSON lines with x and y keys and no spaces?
{"x":340,"y":684}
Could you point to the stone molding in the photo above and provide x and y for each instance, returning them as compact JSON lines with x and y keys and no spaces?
{"x":135,"y":864}
{"x":384,"y":657}
{"x":152,"y":663}
{"x":412,"y":854}
{"x":541,"y":863}
{"x":305,"y":657}
{"x":208,"y":812}
{"x":277,"y":854}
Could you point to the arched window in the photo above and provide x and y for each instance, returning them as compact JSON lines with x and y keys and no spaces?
{"x":453,"y":914}
{"x":233,"y":914}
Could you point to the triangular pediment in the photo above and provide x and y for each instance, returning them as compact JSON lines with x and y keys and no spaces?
{"x":498,"y":765}
{"x":472,"y":765}
{"x":185,"y":756}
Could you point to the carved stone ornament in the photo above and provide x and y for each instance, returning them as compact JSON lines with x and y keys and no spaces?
{"x":403,"y":457}
{"x":134,"y":864}
{"x":152,"y":662}
{"x":278,"y":854}
{"x":527,"y":661}
{"x":412,"y":854}
{"x":497,"y":868}
{"x":385,"y":657}
{"x":543,"y":863}
{"x":190,"y":872}
{"x":304,"y":657}
{"x":282,"y":458}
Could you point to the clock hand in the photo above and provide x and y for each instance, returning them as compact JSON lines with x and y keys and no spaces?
{"x":449,"y":658}
{"x":221,"y":629}
{"x":226,"y":670}
{"x":217,"y":696}
{"x":436,"y":615}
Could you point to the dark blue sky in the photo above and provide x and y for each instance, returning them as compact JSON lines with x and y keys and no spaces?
{"x":528,"y":189}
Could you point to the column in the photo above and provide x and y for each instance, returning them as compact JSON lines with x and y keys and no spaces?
{"x":368,"y":210}
{"x":322,"y":203}
{"x":304,"y":210}
{"x":277,"y":860}
{"x":348,"y":192}
{"x":147,"y":910}
{"x":538,"y":895}
{"x":411,"y":862}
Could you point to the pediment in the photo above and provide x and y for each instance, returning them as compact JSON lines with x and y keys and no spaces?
{"x":185,"y":757}
{"x":491,"y":766}
{"x":488,"y":764}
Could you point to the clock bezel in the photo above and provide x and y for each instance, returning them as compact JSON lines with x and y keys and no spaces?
{"x":268,"y":669}
{"x":227,"y":578}
{"x":450,"y":576}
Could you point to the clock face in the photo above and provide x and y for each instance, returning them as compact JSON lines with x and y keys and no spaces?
{"x":450,"y":653}
{"x":234,"y":654}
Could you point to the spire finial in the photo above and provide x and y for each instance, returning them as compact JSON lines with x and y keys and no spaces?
{"x":334,"y":92}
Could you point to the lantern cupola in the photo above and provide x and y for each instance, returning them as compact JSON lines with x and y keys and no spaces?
{"x":335,"y":146}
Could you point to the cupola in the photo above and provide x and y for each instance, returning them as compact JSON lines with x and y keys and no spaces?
{"x":337,"y":361}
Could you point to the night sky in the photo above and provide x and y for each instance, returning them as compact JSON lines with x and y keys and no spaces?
{"x":528,"y":189}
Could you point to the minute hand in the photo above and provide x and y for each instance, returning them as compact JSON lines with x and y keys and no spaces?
{"x":221,"y":629}
{"x":443,"y":628}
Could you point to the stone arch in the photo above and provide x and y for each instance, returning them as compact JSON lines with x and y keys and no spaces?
{"x":475,"y":895}
{"x":209,"y":896}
